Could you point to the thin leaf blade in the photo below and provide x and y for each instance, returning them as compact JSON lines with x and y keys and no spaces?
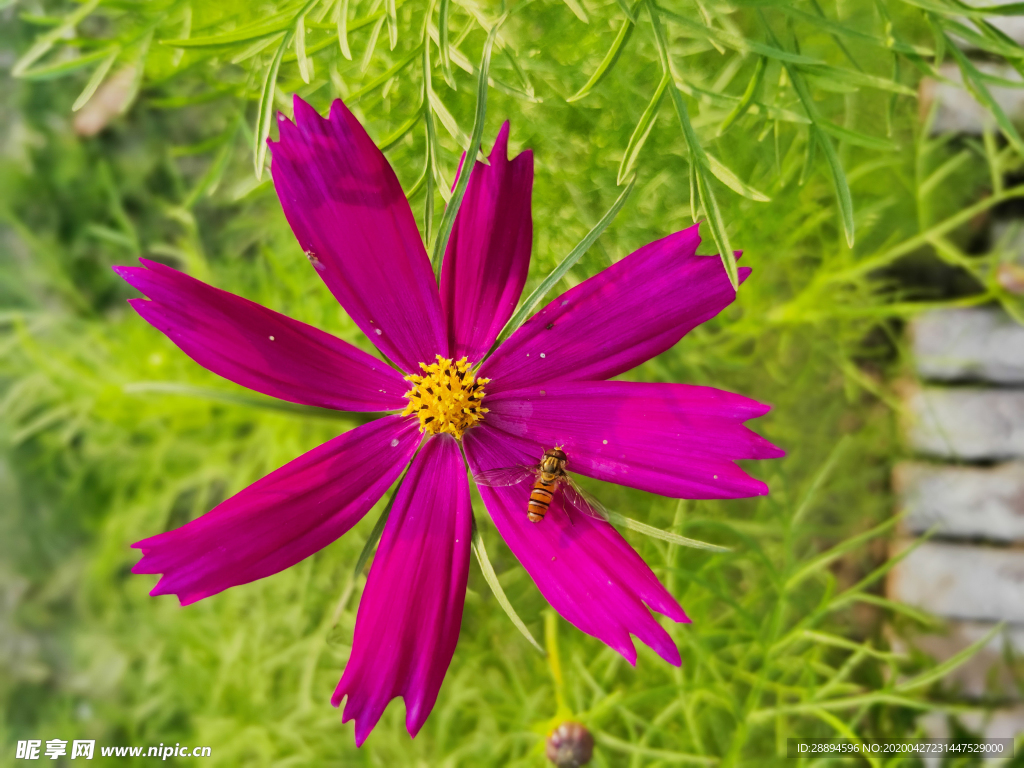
{"x":443,"y":43}
{"x":97,"y":77}
{"x":617,"y":46}
{"x":725,"y":175}
{"x":452,"y":209}
{"x":658,"y":533}
{"x":266,"y":107}
{"x":641,"y":131}
{"x":341,"y":24}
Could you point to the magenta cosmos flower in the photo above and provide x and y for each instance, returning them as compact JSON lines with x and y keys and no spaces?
{"x":547,"y":385}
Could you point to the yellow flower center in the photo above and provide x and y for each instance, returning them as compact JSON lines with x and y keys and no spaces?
{"x":446,"y":398}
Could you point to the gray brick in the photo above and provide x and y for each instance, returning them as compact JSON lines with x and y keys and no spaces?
{"x":1010,"y":25}
{"x":963,"y":502}
{"x":966,"y":423}
{"x":960,"y":581}
{"x":969,"y":343}
{"x":958,"y":111}
{"x":986,"y":674}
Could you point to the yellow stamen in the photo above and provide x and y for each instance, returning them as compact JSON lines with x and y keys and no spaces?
{"x":446,"y":398}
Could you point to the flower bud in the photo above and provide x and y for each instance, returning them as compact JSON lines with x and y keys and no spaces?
{"x":570,"y":745}
{"x":1011,"y":277}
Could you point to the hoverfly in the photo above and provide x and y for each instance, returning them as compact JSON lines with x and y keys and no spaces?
{"x":549,"y":476}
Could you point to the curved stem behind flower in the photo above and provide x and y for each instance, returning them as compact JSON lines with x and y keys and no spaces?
{"x":564,"y":266}
{"x":452,"y":209}
{"x":562,"y":710}
{"x":492,"y":581}
{"x":378,"y":528}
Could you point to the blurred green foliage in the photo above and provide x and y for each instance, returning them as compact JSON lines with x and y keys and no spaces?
{"x":131,"y":129}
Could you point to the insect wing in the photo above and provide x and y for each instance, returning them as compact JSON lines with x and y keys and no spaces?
{"x":582,"y":501}
{"x":504,"y":476}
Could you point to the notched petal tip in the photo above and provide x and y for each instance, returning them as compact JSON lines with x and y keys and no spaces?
{"x":339,"y":111}
{"x":628,"y":653}
{"x":524,"y":158}
{"x":146,"y":274}
{"x":287,"y":137}
{"x":305,"y":114}
{"x":688,"y":241}
{"x":499,"y":151}
{"x":185,"y":600}
{"x":362,"y":726}
{"x":362,"y":733}
{"x":162,"y":587}
{"x":757,"y":409}
{"x":664,"y":646}
{"x":136,"y":277}
{"x":672,"y":610}
{"x":156,"y":266}
{"x":415,"y":716}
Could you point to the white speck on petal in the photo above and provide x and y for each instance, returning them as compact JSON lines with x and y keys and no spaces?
{"x":542,"y":354}
{"x":271,"y":338}
{"x":716,"y":477}
{"x":378,"y":331}
{"x":565,"y":302}
{"x":394,"y":442}
{"x":604,"y":442}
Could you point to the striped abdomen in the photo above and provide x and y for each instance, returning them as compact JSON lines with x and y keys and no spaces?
{"x":540,"y":496}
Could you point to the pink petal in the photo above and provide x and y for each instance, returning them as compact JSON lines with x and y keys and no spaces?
{"x":409,"y":616}
{"x":283,"y":518}
{"x":630,"y":312}
{"x":488,"y":254}
{"x":584,"y":568}
{"x":675,"y":440}
{"x":259,"y":348}
{"x":349,"y":213}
